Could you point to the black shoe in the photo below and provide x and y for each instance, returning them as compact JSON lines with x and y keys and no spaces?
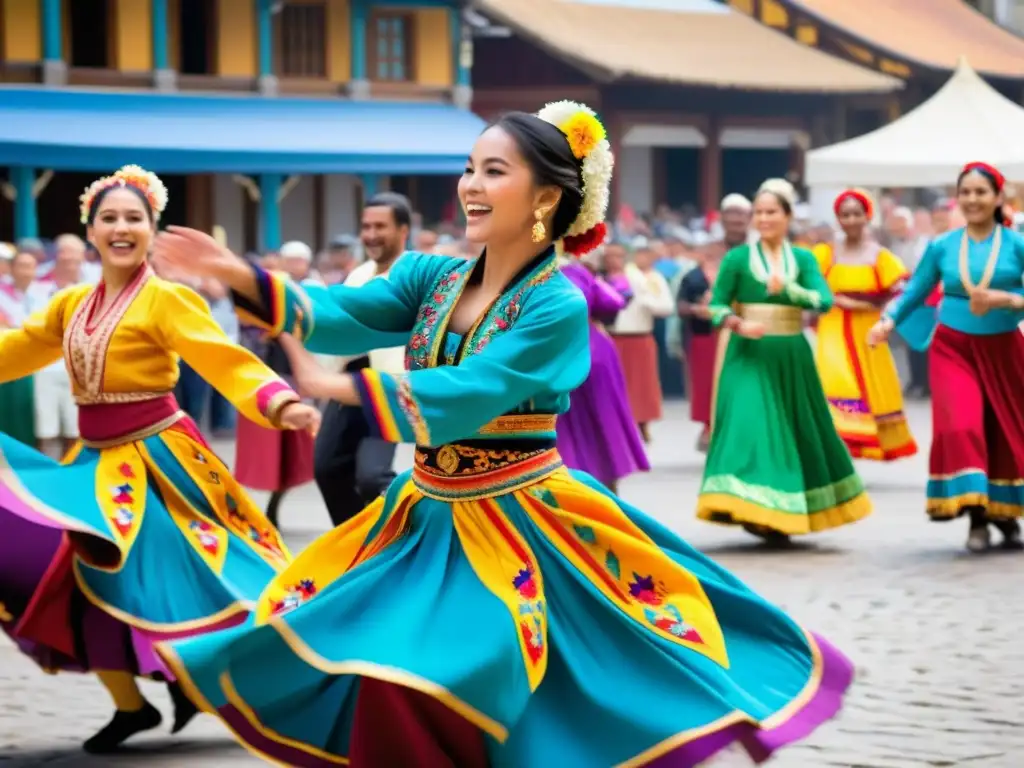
{"x":184,"y":709}
{"x":121,"y":728}
{"x":770,"y":536}
{"x":1010,"y":531}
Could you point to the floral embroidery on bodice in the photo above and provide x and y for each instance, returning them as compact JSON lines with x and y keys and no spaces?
{"x":428,"y":345}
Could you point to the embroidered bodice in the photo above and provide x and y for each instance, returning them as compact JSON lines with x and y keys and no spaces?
{"x":515,"y":367}
{"x":130,"y":352}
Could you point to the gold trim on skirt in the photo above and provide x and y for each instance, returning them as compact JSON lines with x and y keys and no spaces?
{"x":777,"y":319}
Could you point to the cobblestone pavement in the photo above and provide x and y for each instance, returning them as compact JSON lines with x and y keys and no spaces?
{"x":933,"y":631}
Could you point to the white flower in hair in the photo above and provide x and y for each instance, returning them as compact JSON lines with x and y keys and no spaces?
{"x":589,"y":143}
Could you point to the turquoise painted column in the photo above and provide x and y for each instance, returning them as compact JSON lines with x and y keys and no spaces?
{"x":54,"y":66}
{"x":265,"y":42}
{"x":370,"y":182}
{"x":462,"y":48}
{"x":462,"y":60}
{"x":359,"y":16}
{"x":270,"y":212}
{"x":161,"y":59}
{"x":26,"y":224}
{"x":164,"y":77}
{"x":52,"y":41}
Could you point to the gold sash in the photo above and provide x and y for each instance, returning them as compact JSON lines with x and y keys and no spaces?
{"x":777,"y":319}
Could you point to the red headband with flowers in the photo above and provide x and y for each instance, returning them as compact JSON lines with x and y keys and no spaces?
{"x":860,"y":196}
{"x":989,"y":170}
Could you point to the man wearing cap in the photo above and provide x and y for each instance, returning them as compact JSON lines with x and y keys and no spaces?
{"x":692,"y":298}
{"x":352,"y":467}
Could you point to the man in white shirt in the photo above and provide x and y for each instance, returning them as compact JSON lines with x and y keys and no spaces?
{"x":352,"y":468}
{"x":633,"y":333}
{"x":56,"y":412}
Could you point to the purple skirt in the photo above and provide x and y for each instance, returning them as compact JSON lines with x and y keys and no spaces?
{"x":35,"y":573}
{"x":598,"y":434}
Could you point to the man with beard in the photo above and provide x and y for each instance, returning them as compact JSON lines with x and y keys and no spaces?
{"x":353,"y":468}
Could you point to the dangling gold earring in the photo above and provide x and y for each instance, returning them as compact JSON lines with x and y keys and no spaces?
{"x":539,"y":230}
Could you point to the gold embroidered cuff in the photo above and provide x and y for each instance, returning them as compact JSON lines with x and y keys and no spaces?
{"x":276,"y":405}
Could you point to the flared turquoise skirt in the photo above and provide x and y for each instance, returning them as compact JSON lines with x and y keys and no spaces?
{"x":144,"y":541}
{"x":567,"y":627}
{"x":775,"y":459}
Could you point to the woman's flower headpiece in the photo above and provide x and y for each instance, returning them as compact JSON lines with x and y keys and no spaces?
{"x":135,"y":176}
{"x":860,"y":196}
{"x":589,"y":143}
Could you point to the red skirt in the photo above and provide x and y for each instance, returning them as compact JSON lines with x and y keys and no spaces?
{"x":271,"y":459}
{"x":639,"y":357}
{"x":977,"y":455}
{"x":700,"y":363}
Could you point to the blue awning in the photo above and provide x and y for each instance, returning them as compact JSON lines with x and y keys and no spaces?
{"x":93,"y":130}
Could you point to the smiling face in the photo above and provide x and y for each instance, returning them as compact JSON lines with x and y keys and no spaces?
{"x":770,"y":219}
{"x":121,"y":229}
{"x":977,"y":197}
{"x":852,"y":218}
{"x":23,"y":270}
{"x":498,"y":193}
{"x":383,"y":239}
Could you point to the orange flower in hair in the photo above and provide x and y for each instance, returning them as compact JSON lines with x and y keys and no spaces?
{"x":584,"y":132}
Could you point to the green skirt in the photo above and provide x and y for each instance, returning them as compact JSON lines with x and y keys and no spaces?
{"x":17,"y":410}
{"x":775,"y":459}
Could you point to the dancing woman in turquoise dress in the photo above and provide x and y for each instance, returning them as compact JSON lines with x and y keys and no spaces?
{"x":495,"y":608}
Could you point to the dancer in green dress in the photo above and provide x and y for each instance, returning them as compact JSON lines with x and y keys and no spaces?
{"x":775,"y":464}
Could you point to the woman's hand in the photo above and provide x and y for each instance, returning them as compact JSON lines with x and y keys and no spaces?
{"x":879,"y":333}
{"x":300,"y":416}
{"x":180,"y":251}
{"x":983,"y":300}
{"x":749,"y":329}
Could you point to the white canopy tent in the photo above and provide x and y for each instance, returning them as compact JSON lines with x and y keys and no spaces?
{"x":966,"y":120}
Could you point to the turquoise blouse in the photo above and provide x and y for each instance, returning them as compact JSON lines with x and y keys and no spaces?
{"x":522,"y":357}
{"x":941,"y":262}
